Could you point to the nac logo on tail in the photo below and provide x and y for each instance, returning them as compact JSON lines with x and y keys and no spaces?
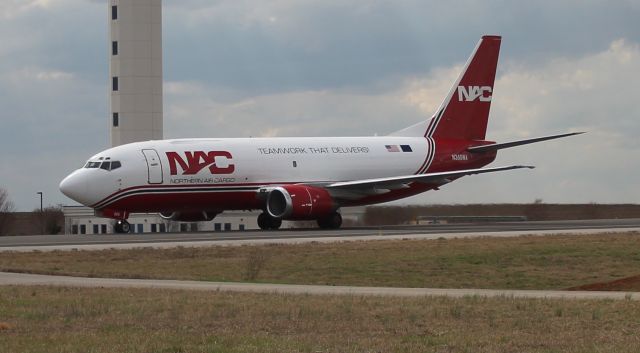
{"x":471,"y":93}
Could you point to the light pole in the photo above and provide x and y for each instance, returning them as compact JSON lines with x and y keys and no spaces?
{"x":41,"y":213}
{"x":40,"y":193}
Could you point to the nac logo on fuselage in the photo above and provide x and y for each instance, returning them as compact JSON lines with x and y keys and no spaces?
{"x":198,"y":160}
{"x":471,"y":93}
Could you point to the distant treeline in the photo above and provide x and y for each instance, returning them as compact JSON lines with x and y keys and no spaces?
{"x":389,"y":215}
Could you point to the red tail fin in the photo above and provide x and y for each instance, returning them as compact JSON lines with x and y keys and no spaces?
{"x":465,"y":111}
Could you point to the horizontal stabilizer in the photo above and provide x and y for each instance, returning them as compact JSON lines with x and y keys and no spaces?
{"x":400,"y":182}
{"x":499,"y":146}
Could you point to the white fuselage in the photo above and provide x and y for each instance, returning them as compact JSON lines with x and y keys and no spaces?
{"x":238,"y":162}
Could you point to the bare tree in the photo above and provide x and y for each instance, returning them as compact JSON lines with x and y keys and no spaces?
{"x":6,"y":208}
{"x":51,"y":219}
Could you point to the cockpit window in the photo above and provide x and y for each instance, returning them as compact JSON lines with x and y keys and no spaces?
{"x":106,"y":165}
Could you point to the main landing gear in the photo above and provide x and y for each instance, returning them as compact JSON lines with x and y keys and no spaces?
{"x":122,"y":226}
{"x":332,"y":221}
{"x":266,"y":222}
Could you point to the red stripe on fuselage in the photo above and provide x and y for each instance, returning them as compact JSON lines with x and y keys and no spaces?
{"x":183,"y":186}
{"x":233,"y":200}
{"x":168,"y":201}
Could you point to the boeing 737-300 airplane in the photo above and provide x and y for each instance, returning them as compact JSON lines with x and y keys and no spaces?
{"x":299,"y":178}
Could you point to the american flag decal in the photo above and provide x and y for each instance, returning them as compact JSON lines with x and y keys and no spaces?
{"x":396,"y":148}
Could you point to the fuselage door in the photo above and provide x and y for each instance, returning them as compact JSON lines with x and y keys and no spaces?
{"x":154,"y":166}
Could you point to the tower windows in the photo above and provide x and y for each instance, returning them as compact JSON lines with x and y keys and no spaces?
{"x":114,"y":83}
{"x":114,"y":12}
{"x":116,"y":119}
{"x":114,"y":48}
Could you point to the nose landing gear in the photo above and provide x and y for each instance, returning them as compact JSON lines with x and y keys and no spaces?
{"x":122,"y":226}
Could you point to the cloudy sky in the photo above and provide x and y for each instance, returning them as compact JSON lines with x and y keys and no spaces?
{"x":241,"y":68}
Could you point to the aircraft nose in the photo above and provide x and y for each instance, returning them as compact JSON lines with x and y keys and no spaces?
{"x":75,"y":187}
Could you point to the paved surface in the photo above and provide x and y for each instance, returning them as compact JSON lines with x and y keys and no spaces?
{"x":159,"y":240}
{"x":29,"y":279}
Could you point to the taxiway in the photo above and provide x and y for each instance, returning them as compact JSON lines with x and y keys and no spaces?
{"x":66,"y":281}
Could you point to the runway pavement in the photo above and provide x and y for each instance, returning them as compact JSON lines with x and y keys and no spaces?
{"x":162,"y":240}
{"x":30,"y":279}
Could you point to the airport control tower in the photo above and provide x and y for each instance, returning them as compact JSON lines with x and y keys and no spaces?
{"x":136,"y":70}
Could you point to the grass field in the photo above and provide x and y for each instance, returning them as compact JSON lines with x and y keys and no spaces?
{"x":530,"y":262}
{"x":46,"y":319}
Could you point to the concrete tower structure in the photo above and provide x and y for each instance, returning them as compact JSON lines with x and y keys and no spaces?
{"x":136,"y":70}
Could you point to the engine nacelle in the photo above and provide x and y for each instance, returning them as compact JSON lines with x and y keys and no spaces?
{"x":196,"y":216}
{"x":297,"y":202}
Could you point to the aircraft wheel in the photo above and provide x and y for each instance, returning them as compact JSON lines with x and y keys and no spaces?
{"x":263,"y":221}
{"x":276,"y":223}
{"x":333,"y":221}
{"x":266,"y":222}
{"x":122,"y":226}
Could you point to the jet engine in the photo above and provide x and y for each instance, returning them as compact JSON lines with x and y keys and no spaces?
{"x":193,"y":216}
{"x":298,"y":202}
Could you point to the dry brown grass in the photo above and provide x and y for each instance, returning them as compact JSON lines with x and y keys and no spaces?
{"x":256,"y":259}
{"x":50,"y":319}
{"x":531,"y":262}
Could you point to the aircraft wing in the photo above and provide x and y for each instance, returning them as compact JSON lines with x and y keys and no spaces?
{"x":359,"y":188}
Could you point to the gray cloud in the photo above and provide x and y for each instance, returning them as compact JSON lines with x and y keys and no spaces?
{"x":61,"y":35}
{"x":290,"y":45}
